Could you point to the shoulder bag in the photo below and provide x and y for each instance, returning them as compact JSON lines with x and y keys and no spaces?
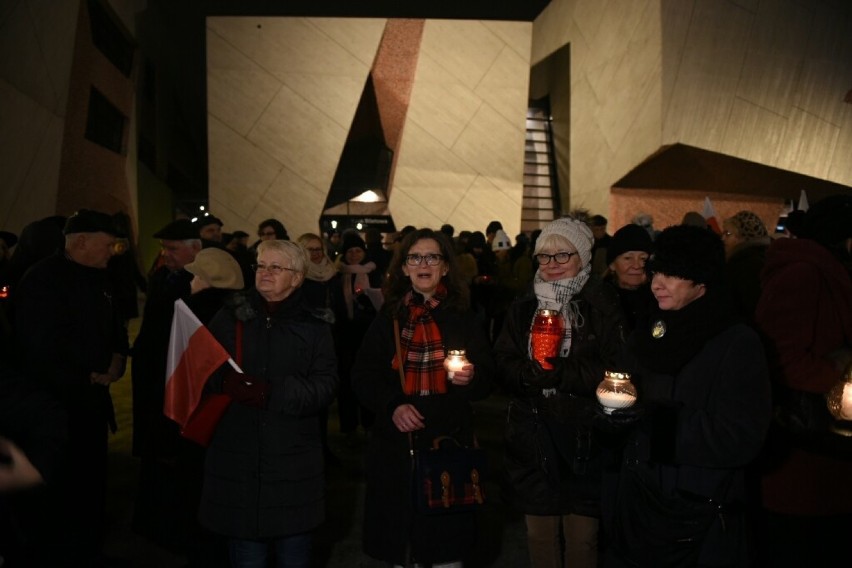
{"x":446,"y":476}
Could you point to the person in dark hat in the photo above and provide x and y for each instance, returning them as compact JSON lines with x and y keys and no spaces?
{"x":156,"y":439}
{"x":805,"y":315}
{"x":7,"y":241}
{"x":598,"y":224}
{"x":626,"y":255}
{"x":209,"y":228}
{"x":703,"y":410}
{"x":72,"y":341}
{"x":356,"y":297}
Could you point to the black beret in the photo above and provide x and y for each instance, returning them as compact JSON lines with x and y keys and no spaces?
{"x":10,"y":238}
{"x":239,"y":234}
{"x":205,"y":220}
{"x":688,"y":252}
{"x":89,"y":221}
{"x":178,"y":230}
{"x":629,"y":237}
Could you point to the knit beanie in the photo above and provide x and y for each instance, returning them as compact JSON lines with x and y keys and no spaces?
{"x":688,"y":252}
{"x":576,"y":232}
{"x":352,"y":240}
{"x":749,"y":225}
{"x":218,"y":267}
{"x":629,"y":237}
{"x":501,"y":241}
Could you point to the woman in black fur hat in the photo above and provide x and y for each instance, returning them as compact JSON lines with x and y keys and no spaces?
{"x":703,"y":413}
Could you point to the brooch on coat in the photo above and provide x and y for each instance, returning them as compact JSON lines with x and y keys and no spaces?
{"x":659,"y":329}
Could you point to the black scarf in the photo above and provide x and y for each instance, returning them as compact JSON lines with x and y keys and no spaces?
{"x":684,"y":333}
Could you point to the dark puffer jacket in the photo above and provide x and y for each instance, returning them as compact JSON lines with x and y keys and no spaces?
{"x":552,"y":456}
{"x":264,"y":474}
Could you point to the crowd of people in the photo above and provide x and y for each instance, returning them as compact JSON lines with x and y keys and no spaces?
{"x":716,"y":329}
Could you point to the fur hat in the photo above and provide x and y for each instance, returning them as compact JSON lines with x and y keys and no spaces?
{"x":748,"y":225}
{"x":629,"y":237}
{"x":501,"y":241}
{"x":576,"y":232}
{"x":688,"y":252}
{"x":218,"y":268}
{"x":829,"y":221}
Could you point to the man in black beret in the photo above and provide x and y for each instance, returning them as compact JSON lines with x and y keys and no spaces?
{"x":155,"y":437}
{"x":71,"y":340}
{"x":209,"y":228}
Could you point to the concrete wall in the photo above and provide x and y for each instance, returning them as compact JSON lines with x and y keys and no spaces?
{"x":282,"y":93}
{"x":762,"y":80}
{"x":47,"y":65}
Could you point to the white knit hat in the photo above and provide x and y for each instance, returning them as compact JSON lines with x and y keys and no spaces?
{"x":501,"y":241}
{"x":576,"y":232}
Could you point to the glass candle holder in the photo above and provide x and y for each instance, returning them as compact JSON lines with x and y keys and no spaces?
{"x":546,"y":336}
{"x":839,"y":401}
{"x":616,"y":391}
{"x":454,"y":361}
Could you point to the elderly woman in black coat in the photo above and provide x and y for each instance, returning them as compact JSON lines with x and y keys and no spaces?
{"x":703,"y":412}
{"x":264,"y":485}
{"x":552,"y":457}
{"x":428,"y":300}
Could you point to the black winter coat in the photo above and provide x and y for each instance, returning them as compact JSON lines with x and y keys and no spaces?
{"x":552,"y":455}
{"x":264,"y":473}
{"x":390,"y":524}
{"x":719,"y":407}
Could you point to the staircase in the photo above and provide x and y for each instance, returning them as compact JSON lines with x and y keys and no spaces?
{"x":541,"y":191}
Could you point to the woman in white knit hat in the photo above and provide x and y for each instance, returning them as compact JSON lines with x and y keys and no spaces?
{"x":550,"y":450}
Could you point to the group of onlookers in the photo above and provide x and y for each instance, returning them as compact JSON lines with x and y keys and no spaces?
{"x":711,"y":328}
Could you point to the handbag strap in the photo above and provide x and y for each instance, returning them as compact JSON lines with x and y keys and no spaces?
{"x":398,"y":353}
{"x":238,"y":356}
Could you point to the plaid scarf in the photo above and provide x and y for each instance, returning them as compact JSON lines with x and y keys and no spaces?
{"x":422,"y":346}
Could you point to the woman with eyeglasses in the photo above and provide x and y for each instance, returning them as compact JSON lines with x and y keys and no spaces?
{"x":552,"y":455}
{"x":429,"y":301}
{"x":264,"y":484}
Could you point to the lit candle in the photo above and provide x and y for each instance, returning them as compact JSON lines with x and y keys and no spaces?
{"x":454,"y":361}
{"x":616,"y":391}
{"x":613,"y":400}
{"x":846,"y":403}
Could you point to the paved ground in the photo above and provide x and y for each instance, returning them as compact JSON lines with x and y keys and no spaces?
{"x":337,"y":544}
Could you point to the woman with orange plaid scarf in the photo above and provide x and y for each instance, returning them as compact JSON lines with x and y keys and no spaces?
{"x":425,"y":295}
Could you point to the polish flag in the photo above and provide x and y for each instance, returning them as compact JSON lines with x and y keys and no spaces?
{"x":709,"y":215}
{"x":193,"y":356}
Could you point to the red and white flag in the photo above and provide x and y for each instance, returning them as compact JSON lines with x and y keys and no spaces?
{"x":709,"y":215}
{"x":193,"y":356}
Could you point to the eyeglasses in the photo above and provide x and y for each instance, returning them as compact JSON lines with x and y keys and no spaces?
{"x":272,"y":268}
{"x":726,"y":234}
{"x":559,"y":257}
{"x":266,"y":233}
{"x":312,"y":249}
{"x":416,"y":259}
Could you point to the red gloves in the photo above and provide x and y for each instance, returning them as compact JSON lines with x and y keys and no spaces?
{"x":246,"y":389}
